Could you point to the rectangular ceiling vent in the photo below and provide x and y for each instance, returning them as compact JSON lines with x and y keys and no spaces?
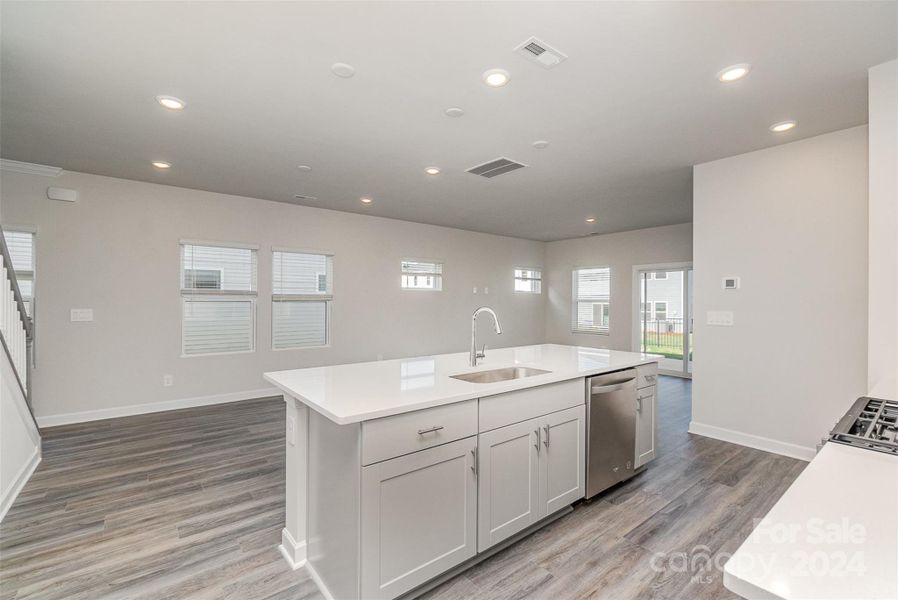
{"x":541,"y":53}
{"x":500,"y":166}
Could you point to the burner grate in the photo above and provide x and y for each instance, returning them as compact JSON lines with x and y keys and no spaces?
{"x":870,"y":423}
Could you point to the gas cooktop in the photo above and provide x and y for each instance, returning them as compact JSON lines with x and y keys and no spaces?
{"x":870,"y":423}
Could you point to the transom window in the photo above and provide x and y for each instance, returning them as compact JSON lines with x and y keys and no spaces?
{"x":528,"y":280}
{"x":302,"y":292}
{"x":420,"y":275}
{"x":591,"y":300}
{"x":218,"y":298}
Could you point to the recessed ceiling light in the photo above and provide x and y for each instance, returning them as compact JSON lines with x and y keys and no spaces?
{"x":734,"y":72}
{"x":161,"y":164}
{"x":590,"y":219}
{"x":366,"y":200}
{"x":305,"y":168}
{"x":343,"y":70}
{"x":454,"y":112}
{"x":171,"y":103}
{"x":432,"y":170}
{"x":783,"y":126}
{"x":496,"y":77}
{"x":540,"y":144}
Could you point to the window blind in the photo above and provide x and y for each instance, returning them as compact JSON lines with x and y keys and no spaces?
{"x":218,"y":289}
{"x":528,"y":280}
{"x":592,"y":300}
{"x":21,"y":251}
{"x":302,"y":290}
{"x":420,"y":275}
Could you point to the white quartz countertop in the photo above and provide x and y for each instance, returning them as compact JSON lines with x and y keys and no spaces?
{"x":832,"y":535}
{"x":356,"y":392}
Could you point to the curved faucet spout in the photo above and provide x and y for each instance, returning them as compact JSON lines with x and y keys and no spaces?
{"x":474,"y":354}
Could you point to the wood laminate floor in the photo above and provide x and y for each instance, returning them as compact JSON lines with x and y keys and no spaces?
{"x":190,"y":504}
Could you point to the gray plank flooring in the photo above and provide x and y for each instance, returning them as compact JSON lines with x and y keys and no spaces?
{"x":190,"y":504}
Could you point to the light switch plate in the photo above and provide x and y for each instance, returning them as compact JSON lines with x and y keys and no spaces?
{"x":720,"y":318}
{"x":82,"y":314}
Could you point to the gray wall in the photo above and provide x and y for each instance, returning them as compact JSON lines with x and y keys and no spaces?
{"x":791,"y":221}
{"x":620,"y":251}
{"x":116,"y":251}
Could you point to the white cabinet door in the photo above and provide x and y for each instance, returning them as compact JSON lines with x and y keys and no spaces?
{"x":562,"y":460}
{"x":645,"y":426}
{"x":508,"y":499}
{"x":418,"y":517}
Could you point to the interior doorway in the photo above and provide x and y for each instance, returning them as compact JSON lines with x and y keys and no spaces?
{"x":663,"y":322}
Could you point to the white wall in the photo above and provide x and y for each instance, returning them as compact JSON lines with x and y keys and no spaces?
{"x":116,"y":251}
{"x":20,"y":442}
{"x":791,"y":221}
{"x":620,"y":251}
{"x":882,"y":330}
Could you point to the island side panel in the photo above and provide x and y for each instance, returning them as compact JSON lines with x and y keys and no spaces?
{"x":296,"y":442}
{"x":335,"y":505}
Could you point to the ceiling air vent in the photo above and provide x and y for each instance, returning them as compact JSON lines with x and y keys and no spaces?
{"x":304,"y":197}
{"x":541,"y":53}
{"x":500,"y":166}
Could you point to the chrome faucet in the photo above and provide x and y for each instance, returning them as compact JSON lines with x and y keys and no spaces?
{"x":482,"y":354}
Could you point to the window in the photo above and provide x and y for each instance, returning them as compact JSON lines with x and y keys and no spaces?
{"x":660,"y":275}
{"x":528,"y":280}
{"x":660,"y":310}
{"x":21,"y":250}
{"x":302,"y":292}
{"x":592,"y":300}
{"x":418,"y":275}
{"x":218,"y":298}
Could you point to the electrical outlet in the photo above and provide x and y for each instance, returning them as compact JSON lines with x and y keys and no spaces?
{"x":486,"y":290}
{"x":475,"y":289}
{"x":81,"y":314}
{"x":168,"y":380}
{"x":291,"y":431}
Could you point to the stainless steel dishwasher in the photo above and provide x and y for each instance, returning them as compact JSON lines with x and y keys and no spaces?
{"x":611,"y":430}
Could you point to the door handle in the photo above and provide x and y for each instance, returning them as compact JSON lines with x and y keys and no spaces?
{"x":546,"y":441}
{"x":605,"y":389}
{"x":639,"y":405}
{"x":431,"y":430}
{"x":536,"y":445}
{"x":474,"y":461}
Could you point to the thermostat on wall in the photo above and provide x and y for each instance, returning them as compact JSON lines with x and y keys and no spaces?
{"x":731,"y":283}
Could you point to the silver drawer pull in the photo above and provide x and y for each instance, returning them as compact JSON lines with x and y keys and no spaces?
{"x":431,"y":430}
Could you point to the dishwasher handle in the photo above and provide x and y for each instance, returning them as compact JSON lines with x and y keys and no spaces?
{"x":606,"y":389}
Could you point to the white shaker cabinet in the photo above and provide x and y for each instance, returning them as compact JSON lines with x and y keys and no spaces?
{"x":645,"y":425}
{"x":562,"y":459}
{"x":418,"y":517}
{"x":508,"y":498}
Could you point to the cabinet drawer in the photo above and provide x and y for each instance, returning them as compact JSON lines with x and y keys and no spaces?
{"x":514,"y":407}
{"x":646,"y":375}
{"x":394,"y":436}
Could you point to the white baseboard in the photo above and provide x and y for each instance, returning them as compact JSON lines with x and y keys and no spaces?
{"x":151,"y":407}
{"x":19,"y":481}
{"x":753,"y":441}
{"x":319,"y":582}
{"x":293,"y":551}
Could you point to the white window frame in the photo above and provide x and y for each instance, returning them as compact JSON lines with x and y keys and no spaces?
{"x":438,"y":277}
{"x":655,"y":304}
{"x":30,"y":274}
{"x":328,"y":299}
{"x":656,"y":273}
{"x":538,"y":279}
{"x":207,"y":295}
{"x":575,"y":300}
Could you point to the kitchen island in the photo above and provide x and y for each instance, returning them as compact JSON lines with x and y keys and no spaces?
{"x":399,"y":472}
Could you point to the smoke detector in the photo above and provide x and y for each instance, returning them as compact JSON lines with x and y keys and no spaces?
{"x":536,"y":50}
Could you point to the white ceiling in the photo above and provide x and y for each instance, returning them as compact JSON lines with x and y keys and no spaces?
{"x":635,"y":105}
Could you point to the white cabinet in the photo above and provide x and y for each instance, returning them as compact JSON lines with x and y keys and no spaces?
{"x":508,"y":496}
{"x":645,"y":425}
{"x":418,"y":517}
{"x":528,"y":471}
{"x":562,"y":459}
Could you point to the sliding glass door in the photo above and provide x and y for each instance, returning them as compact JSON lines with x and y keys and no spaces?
{"x":665,"y":317}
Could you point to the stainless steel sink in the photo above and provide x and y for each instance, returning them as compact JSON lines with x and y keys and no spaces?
{"x":495,"y":375}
